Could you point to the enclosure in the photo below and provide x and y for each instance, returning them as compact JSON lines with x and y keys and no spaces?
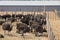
{"x":52,"y":14}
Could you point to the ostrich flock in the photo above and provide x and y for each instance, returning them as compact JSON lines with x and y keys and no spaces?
{"x":25,"y":23}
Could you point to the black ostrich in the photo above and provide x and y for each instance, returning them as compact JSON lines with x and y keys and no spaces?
{"x":19,"y":16}
{"x":2,"y":21}
{"x":6,"y":16}
{"x":22,"y":28}
{"x":7,"y":27}
{"x":1,"y":36}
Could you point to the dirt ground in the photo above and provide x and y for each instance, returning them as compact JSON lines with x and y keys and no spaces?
{"x":55,"y":25}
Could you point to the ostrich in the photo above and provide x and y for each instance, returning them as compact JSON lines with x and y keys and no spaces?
{"x":7,"y":26}
{"x":1,"y":36}
{"x":22,"y":28}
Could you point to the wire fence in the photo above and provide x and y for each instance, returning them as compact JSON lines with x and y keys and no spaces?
{"x":50,"y":33}
{"x":54,"y":20}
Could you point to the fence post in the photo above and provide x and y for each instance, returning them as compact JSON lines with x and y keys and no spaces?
{"x":49,"y":31}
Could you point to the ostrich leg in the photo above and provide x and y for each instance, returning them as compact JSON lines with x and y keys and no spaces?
{"x":4,"y":32}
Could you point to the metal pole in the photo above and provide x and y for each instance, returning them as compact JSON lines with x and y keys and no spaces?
{"x":49,"y":31}
{"x":55,"y":14}
{"x":15,"y":13}
{"x":6,"y":14}
{"x":34,"y":15}
{"x":44,"y":11}
{"x":22,"y":12}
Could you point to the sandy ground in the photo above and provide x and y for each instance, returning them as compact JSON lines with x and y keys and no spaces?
{"x":55,"y":25}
